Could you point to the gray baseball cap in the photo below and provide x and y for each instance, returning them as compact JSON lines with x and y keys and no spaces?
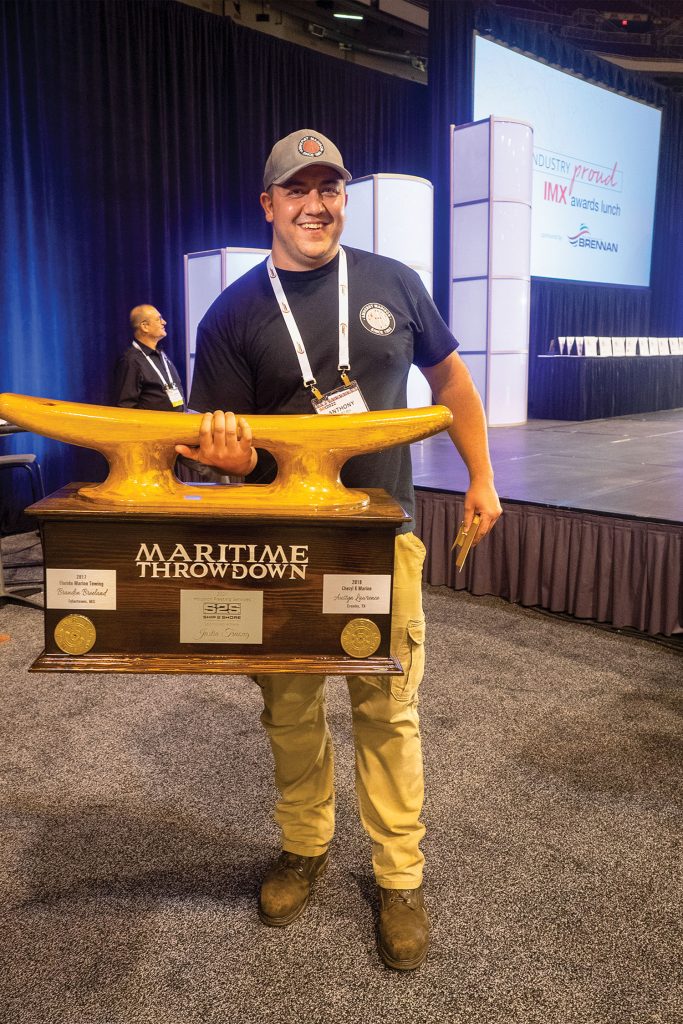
{"x":301,"y":149}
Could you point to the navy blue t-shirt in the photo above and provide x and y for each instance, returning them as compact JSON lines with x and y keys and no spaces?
{"x":246,"y":363}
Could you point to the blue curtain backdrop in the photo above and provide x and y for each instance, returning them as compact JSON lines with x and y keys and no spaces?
{"x":136,"y":131}
{"x":558,"y":308}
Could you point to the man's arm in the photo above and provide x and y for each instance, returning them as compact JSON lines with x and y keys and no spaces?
{"x":453,"y":387}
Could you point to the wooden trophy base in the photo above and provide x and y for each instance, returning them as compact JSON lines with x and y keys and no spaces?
{"x":216,"y":590}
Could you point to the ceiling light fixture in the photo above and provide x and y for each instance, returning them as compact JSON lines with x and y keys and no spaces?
{"x":349,"y":17}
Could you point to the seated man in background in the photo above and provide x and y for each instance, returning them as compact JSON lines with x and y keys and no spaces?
{"x":145,"y":378}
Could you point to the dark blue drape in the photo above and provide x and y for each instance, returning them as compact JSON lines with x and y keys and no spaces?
{"x":560,"y":308}
{"x":135,"y":131}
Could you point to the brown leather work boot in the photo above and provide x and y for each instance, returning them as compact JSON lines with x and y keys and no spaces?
{"x":286,"y":888}
{"x":403,"y":938}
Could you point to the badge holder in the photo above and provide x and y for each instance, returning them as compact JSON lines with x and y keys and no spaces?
{"x":344,"y":399}
{"x":174,"y":396}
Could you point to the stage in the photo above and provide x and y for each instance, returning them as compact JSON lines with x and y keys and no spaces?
{"x":593,"y":522}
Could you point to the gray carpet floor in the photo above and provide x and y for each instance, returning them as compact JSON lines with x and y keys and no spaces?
{"x":135,"y":825}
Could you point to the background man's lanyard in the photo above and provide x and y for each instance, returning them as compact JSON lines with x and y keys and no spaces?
{"x":168,"y":384}
{"x":295,"y":335}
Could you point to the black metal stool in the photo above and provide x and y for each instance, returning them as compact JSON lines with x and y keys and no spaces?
{"x":30,"y":463}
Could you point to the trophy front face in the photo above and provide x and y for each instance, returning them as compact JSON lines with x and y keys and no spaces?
{"x":224,"y":593}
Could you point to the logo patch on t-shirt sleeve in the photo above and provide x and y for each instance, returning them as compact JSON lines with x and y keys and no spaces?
{"x":377,"y":319}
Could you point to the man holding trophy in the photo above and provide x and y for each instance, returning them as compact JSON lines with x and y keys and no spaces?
{"x":338,"y":329}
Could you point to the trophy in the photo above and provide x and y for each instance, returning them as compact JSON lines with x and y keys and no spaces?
{"x":145,"y":573}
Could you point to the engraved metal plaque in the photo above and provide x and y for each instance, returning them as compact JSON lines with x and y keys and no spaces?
{"x":221,"y":616}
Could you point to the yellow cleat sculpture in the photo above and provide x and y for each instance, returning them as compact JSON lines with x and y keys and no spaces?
{"x":139,"y":446}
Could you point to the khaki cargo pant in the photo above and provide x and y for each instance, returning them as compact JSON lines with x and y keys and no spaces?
{"x":389,"y":781}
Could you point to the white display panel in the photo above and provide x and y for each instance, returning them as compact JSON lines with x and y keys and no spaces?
{"x":595,"y":166}
{"x":468,"y":314}
{"x":513,"y":148}
{"x":471,"y":240}
{"x":405,"y":221}
{"x":203,"y":284}
{"x":507,"y":389}
{"x":509,"y":315}
{"x":510,"y":228}
{"x":206,"y":275}
{"x":359,"y":229}
{"x":469,"y":183}
{"x":393,"y":215}
{"x":238,"y":261}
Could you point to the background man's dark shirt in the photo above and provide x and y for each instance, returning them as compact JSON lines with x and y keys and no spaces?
{"x":137,"y":386}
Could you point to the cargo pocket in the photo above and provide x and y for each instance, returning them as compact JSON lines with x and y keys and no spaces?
{"x":411,"y":654}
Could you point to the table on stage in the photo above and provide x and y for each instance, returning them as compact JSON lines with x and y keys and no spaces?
{"x":597,"y":387}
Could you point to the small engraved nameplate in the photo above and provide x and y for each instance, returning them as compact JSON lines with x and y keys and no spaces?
{"x":81,"y":588}
{"x":221,"y":616}
{"x":370,"y":594}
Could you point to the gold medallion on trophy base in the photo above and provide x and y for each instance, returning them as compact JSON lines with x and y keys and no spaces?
{"x":75,"y":634}
{"x":360,"y":638}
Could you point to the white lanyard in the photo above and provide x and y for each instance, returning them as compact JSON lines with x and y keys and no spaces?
{"x":295,"y":335}
{"x":167,"y":383}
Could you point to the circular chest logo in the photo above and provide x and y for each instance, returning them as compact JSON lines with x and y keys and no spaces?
{"x":377,"y":319}
{"x":310,"y":146}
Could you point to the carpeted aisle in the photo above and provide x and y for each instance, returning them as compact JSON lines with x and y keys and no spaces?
{"x":135,"y":825}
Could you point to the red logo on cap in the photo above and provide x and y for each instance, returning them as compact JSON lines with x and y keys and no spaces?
{"x":310,"y":146}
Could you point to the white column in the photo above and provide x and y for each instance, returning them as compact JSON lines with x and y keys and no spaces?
{"x":206,"y":275}
{"x":491,"y":187}
{"x":393,"y":215}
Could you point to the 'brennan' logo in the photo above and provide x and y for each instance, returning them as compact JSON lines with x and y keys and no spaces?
{"x":377,"y":319}
{"x":582,"y":239}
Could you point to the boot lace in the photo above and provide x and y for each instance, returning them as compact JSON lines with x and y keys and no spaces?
{"x":399,"y":896}
{"x":293,"y":861}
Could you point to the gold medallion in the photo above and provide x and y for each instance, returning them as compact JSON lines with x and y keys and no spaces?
{"x":360,"y":638}
{"x":75,"y":634}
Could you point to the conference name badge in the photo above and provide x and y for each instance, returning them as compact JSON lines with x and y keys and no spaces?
{"x":174,"y":396}
{"x":348,"y":398}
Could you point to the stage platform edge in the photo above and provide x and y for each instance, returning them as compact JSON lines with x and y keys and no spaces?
{"x":625,"y":572}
